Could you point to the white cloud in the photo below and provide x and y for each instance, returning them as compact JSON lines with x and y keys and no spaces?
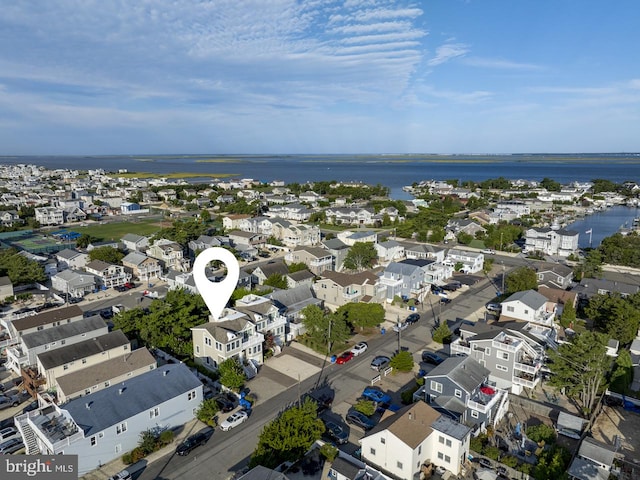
{"x":500,"y":64}
{"x":448,"y":51}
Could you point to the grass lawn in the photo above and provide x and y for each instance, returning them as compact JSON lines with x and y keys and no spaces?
{"x":116,"y":230}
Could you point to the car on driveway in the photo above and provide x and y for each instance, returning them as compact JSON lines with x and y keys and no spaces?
{"x":380,"y":362}
{"x":494,"y":307}
{"x":224,"y":403}
{"x":336,"y":432}
{"x":359,"y":348}
{"x":378,"y":396}
{"x":412,"y":318}
{"x":445,"y":300}
{"x":7,"y":433}
{"x":489,"y":251}
{"x":192,"y":442}
{"x":432,"y":357}
{"x":360,"y":420}
{"x":121,"y":475}
{"x":485,"y":462}
{"x":234,"y":420}
{"x":344,"y":358}
{"x":12,"y":445}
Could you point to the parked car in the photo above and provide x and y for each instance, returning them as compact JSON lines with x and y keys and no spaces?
{"x":485,"y":462}
{"x":344,"y":358}
{"x":380,"y":362}
{"x":323,"y":401}
{"x":121,"y":475}
{"x":445,"y":300}
{"x":359,"y":348}
{"x":432,"y":357}
{"x":234,"y":420}
{"x":192,"y":442}
{"x":399,"y":327}
{"x":7,"y":433}
{"x":489,"y":251}
{"x":224,"y":403}
{"x":412,"y":318}
{"x":31,"y":406}
{"x":378,"y":396}
{"x":336,"y":433}
{"x":494,"y":307}
{"x":12,"y":445}
{"x":360,"y":420}
{"x":451,"y":287}
{"x":7,"y":401}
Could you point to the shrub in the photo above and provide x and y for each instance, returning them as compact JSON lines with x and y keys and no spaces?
{"x":442,"y":334}
{"x":402,"y":361}
{"x":510,"y":461}
{"x":329,"y":452}
{"x":366,"y":407}
{"x":541,"y":433}
{"x":477,"y":443}
{"x":147,"y":442}
{"x":407,"y":396}
{"x":491,"y":452}
{"x":127,"y":458}
{"x":166,"y":437}
{"x":137,"y":454}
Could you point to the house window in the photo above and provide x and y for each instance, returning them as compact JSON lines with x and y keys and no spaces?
{"x":502,"y":368}
{"x":382,"y":440}
{"x":218,"y":346}
{"x":503,"y":355}
{"x":154,"y":413}
{"x":93,"y":440}
{"x":448,"y":443}
{"x":191,"y":395}
{"x":121,"y":428}
{"x":474,"y":413}
{"x":197,"y":348}
{"x":118,"y":448}
{"x":436,"y":387}
{"x":399,"y":465}
{"x":207,"y":341}
{"x":447,"y":458}
{"x":526,"y":311}
{"x":441,"y":455}
{"x":441,"y":439}
{"x":511,"y":309}
{"x":458,"y":393}
{"x":372,"y":451}
{"x":419,"y":451}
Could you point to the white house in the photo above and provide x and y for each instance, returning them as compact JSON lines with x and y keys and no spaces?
{"x":472,"y":262}
{"x":105,"y":425}
{"x":416,"y":435}
{"x":559,"y":242}
{"x":529,"y":306}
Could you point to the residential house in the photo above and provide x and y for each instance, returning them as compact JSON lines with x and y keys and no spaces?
{"x":264,"y":271}
{"x":102,"y":375}
{"x":170,"y":255}
{"x":316,"y":259}
{"x":434,"y":273}
{"x":246,"y":241}
{"x":588,"y":287}
{"x":338,"y":289}
{"x":233,"y":221}
{"x":47,"y":319}
{"x":338,"y":250}
{"x":293,"y":235}
{"x":142,"y":267}
{"x":300,"y":278}
{"x":74,"y":284}
{"x":107,"y":274}
{"x":554,"y":275}
{"x":350,"y":216}
{"x":351,"y":238}
{"x":73,"y":259}
{"x":560,"y":297}
{"x":402,"y":280}
{"x":420,"y":251}
{"x":513,"y":357}
{"x":233,"y":336}
{"x":290,"y":304}
{"x":560,"y":242}
{"x":74,"y":215}
{"x":133,"y":242}
{"x":311,"y":197}
{"x":108,"y":243}
{"x":529,"y":306}
{"x":389,"y":251}
{"x":346,"y":467}
{"x":265,"y":316}
{"x":460,"y":388}
{"x":49,"y":215}
{"x":404,"y":442}
{"x":181,"y":280}
{"x":291,"y":211}
{"x":108,"y":423}
{"x":9,"y":217}
{"x":594,"y":461}
{"x":464,"y":225}
{"x":472,"y":262}
{"x":71,"y":358}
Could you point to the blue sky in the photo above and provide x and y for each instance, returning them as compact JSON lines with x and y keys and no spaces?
{"x":319,"y":76}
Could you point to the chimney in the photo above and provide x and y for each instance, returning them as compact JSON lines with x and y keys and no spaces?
{"x":121,"y":391}
{"x":88,"y":405}
{"x":410,"y":416}
{"x":165,"y":373}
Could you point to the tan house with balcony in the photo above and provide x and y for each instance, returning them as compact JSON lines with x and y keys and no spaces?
{"x":170,"y":255}
{"x":317,"y":260}
{"x":108,"y":274}
{"x":142,"y":267}
{"x":337,"y":289}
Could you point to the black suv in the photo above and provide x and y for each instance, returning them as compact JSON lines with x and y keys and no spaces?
{"x":192,"y":442}
{"x":224,"y":403}
{"x":431,"y":357}
{"x":411,"y":319}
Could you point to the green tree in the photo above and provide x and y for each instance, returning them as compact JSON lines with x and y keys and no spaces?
{"x":297,"y":267}
{"x":19,"y":269}
{"x":106,"y":254}
{"x":289,"y":436}
{"x":581,"y":367}
{"x":541,"y":433}
{"x":402,"y":361}
{"x":550,"y":185}
{"x":591,"y":266}
{"x":325,"y":329}
{"x":442,"y":334}
{"x":276,"y":280}
{"x":207,"y":412}
{"x":361,"y":256}
{"x":521,"y":279}
{"x":616,"y":316}
{"x":362,"y":315}
{"x":366,"y":407}
{"x":205,"y":216}
{"x":552,"y":463}
{"x":568,"y":315}
{"x":464,"y":238}
{"x":231,"y":373}
{"x":84,"y":240}
{"x":622,"y":375}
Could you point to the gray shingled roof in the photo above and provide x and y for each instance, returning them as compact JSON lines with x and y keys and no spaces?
{"x":54,"y":334}
{"x":531,"y":298}
{"x":49,"y":316}
{"x":76,"y":351}
{"x":109,"y":407}
{"x":464,"y":371}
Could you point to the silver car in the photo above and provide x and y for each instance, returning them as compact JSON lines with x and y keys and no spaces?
{"x":7,"y":401}
{"x":380,"y":362}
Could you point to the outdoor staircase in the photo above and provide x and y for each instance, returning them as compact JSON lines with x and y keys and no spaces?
{"x":28,"y":436}
{"x":250,"y":369}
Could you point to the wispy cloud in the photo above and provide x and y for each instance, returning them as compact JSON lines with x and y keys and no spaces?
{"x":500,"y":64}
{"x":447,"y":52}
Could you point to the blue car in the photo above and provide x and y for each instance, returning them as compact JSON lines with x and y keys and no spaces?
{"x":377,"y":396}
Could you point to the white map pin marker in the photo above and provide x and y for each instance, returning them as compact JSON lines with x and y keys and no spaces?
{"x":216,"y":294}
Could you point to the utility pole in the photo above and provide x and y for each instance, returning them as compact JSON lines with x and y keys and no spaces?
{"x":399,"y":331}
{"x":502,"y":289}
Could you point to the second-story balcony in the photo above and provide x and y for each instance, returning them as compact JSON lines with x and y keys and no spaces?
{"x":545,"y":318}
{"x":525,"y":379}
{"x":460,"y":346}
{"x":276,"y":322}
{"x":351,"y":295}
{"x":528,"y":364}
{"x":506,"y":342}
{"x":485,"y":399}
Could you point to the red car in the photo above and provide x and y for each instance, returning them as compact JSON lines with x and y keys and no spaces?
{"x":344,"y":358}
